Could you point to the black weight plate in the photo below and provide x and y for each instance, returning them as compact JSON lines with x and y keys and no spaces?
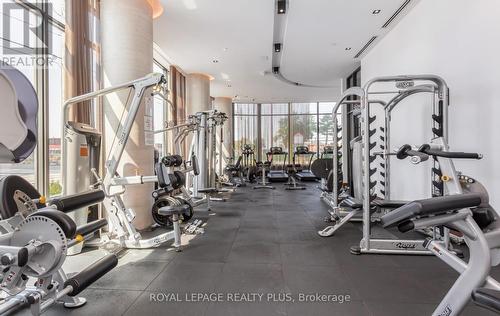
{"x":321,"y":167}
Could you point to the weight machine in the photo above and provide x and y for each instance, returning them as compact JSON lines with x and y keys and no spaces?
{"x":372,"y":191}
{"x":465,"y":208}
{"x":36,"y":233}
{"x":121,"y":229}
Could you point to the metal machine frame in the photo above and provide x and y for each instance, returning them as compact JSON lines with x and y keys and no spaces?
{"x":122,"y":231}
{"x":484,"y":246}
{"x":440,"y":91}
{"x":406,"y":87}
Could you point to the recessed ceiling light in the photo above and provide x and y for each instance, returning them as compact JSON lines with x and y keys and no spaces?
{"x":376,"y":11}
{"x":281,"y":6}
{"x":348,"y":48}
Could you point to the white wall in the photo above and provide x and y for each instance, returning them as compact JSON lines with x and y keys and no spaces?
{"x":458,"y":40}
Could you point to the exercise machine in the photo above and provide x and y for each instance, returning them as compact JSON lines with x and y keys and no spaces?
{"x":464,"y":208}
{"x":292,"y":184}
{"x":279,"y":174}
{"x":304,"y":174}
{"x":322,"y":169}
{"x":371,"y":164}
{"x":249,"y":163}
{"x":262,"y":168}
{"x":121,"y":229}
{"x":35,"y":233}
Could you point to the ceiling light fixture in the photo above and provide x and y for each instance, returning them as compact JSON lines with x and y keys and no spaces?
{"x":348,"y":48}
{"x":277,"y":47}
{"x":215,"y":61}
{"x":376,"y":11}
{"x":281,"y":6}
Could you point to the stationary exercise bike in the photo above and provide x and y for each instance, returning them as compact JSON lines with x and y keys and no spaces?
{"x":35,"y":233}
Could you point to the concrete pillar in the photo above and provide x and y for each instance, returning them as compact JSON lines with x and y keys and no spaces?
{"x":225,"y":105}
{"x":127,"y":54}
{"x":197,"y":93}
{"x":197,"y":100}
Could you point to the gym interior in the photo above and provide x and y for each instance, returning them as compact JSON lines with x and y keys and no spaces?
{"x":249,"y":157}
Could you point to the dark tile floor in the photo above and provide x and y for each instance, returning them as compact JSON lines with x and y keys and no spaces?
{"x":263,"y":241}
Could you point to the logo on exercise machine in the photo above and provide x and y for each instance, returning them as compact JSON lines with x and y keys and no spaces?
{"x":405,"y":245}
{"x":446,"y":312}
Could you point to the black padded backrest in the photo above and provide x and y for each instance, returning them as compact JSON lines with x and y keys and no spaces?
{"x":8,"y":186}
{"x":162,"y":175}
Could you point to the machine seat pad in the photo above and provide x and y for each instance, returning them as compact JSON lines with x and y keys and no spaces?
{"x":352,"y":203}
{"x":8,"y":186}
{"x":67,"y":225}
{"x":432,"y":206}
{"x":487,"y":298}
{"x":176,"y":209}
{"x":357,"y":203}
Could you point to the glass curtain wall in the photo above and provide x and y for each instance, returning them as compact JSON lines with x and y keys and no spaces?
{"x":286,"y":125}
{"x":274,"y":130}
{"x":304,"y":129}
{"x":160,"y":117}
{"x":325,"y":125}
{"x":20,"y":48}
{"x":245,"y":126}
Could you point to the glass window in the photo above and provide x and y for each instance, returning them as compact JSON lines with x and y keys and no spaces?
{"x":58,"y":10}
{"x":160,"y":117}
{"x":245,"y":109}
{"x":245,"y":132}
{"x":326,"y":107}
{"x":55,"y":70}
{"x":16,"y":41}
{"x":274,"y":134}
{"x":304,"y":108}
{"x":325,"y":126}
{"x":274,"y":109}
{"x":303,"y":132}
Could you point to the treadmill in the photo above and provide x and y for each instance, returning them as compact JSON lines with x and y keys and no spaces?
{"x":305,"y":174}
{"x":276,"y":175}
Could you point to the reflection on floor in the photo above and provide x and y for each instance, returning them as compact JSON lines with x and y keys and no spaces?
{"x":264,"y":242}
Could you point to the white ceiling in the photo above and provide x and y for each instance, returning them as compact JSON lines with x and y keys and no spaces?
{"x":239,"y":34}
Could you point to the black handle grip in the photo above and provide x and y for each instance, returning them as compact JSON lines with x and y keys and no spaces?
{"x":92,"y":273}
{"x":453,"y":154}
{"x":426,"y":148}
{"x":195,"y":165}
{"x":73,"y":202}
{"x":91,"y":227}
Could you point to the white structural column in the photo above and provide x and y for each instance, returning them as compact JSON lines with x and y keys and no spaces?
{"x":197,"y":93}
{"x":127,"y":54}
{"x":198,"y":100}
{"x":225,"y":105}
